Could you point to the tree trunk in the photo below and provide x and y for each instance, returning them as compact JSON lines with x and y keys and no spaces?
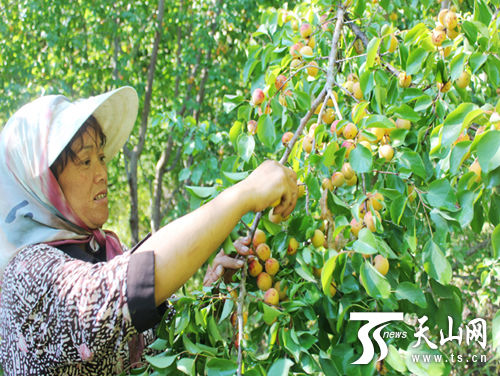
{"x":134,"y":154}
{"x":161,"y":166}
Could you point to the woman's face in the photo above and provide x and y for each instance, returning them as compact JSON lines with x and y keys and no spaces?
{"x":84,"y":181}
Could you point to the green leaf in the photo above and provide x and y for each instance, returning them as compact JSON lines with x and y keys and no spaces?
{"x":366,"y":243}
{"x":227,"y":310}
{"x":202,"y":192}
{"x":397,"y":208}
{"x":411,"y":94}
{"x":234,"y":132}
{"x":248,"y":69}
{"x":413,"y":162}
{"x":235,"y":177}
{"x":221,"y":367}
{"x":423,"y":103}
{"x":415,"y":60}
{"x":488,"y":151}
{"x":329,"y":154}
{"x":395,"y":360}
{"x":495,"y":242}
{"x":406,"y":112}
{"x":417,"y":364}
{"x":458,"y":156}
{"x":476,"y":60}
{"x":416,"y":32}
{"x":186,"y":365}
{"x":371,"y":52}
{"x":190,"y":346}
{"x":367,"y":82}
{"x":246,"y":146}
{"x":303,"y":100}
{"x":159,"y":344}
{"x":412,"y":293}
{"x":328,"y":366}
{"x":266,"y":131}
{"x":457,"y":66}
{"x":435,"y":263}
{"x":231,"y":102}
{"x":481,"y":12}
{"x":493,"y":70}
{"x":359,"y":111}
{"x":470,"y":31}
{"x":161,"y":361}
{"x":442,"y":195}
{"x":377,"y":121}
{"x":453,"y":123}
{"x":313,"y":186}
{"x":304,"y":273}
{"x":280,"y":367}
{"x":375,"y":284}
{"x":291,"y":343}
{"x":495,"y":332}
{"x":326,"y":274}
{"x":214,"y":330}
{"x":361,"y":159}
{"x":466,"y":200}
{"x":270,"y":313}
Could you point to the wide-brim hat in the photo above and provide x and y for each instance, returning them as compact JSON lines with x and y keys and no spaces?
{"x":116,"y":112}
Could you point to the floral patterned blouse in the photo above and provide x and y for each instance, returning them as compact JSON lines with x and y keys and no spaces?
{"x":66,"y":311}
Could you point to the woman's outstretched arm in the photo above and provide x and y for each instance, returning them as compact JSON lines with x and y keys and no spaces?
{"x":182,"y":246}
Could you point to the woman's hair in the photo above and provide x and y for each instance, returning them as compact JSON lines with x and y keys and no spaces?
{"x":62,"y":160}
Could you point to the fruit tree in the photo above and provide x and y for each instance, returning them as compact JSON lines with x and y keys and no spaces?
{"x":389,"y":114}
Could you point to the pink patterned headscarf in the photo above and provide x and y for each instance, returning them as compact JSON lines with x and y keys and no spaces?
{"x":33,"y":208}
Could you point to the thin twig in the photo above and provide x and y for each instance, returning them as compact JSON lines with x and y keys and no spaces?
{"x":335,"y":104}
{"x":424,"y":209}
{"x":284,"y":158}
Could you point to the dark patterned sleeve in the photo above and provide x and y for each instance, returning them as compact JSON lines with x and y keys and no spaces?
{"x":141,"y":290}
{"x":64,"y":310}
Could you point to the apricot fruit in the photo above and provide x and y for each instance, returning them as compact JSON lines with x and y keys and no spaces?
{"x":386,"y":151}
{"x":272,"y":266}
{"x":264,"y":281}
{"x":381,"y":264}
{"x":293,"y":245}
{"x":318,"y":239}
{"x":252,"y":127}
{"x":258,"y":97}
{"x":305,"y":30}
{"x":338,"y":179}
{"x":263,"y":251}
{"x":347,"y":171}
{"x":259,"y":237}
{"x":272,"y":296}
{"x":254,"y":267}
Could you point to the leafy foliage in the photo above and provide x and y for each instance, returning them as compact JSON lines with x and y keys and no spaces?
{"x":434,"y":196}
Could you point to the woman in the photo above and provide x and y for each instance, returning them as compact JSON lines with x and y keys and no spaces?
{"x":72,"y":302}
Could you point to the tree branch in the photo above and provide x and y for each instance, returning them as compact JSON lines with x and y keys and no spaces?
{"x":135,"y":153}
{"x":328,"y":86}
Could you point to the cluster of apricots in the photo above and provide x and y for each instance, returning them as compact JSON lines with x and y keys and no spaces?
{"x":369,"y":213}
{"x":303,"y":51}
{"x":447,"y":26}
{"x":265,"y":275}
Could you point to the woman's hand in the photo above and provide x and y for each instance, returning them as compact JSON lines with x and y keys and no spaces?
{"x":269,"y":183}
{"x":222,"y":262}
